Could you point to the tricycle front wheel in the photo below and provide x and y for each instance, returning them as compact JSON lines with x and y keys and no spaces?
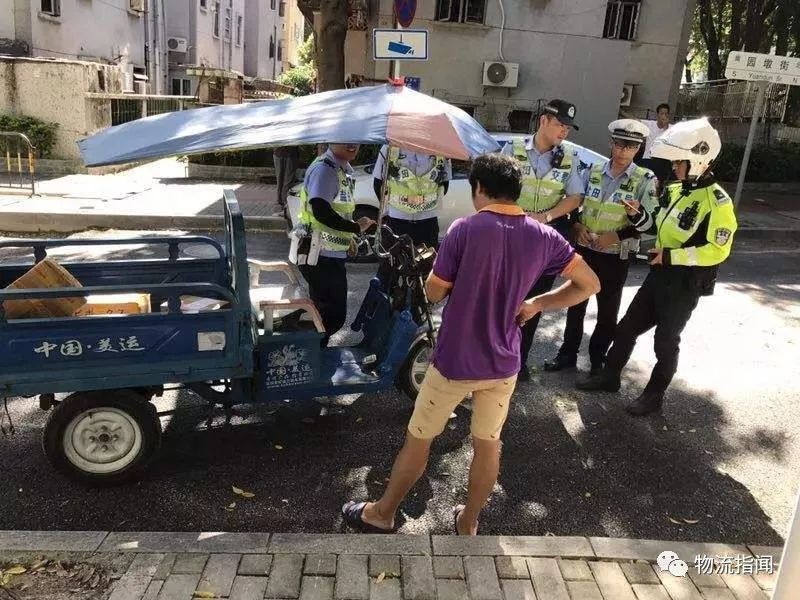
{"x":412,"y":373}
{"x":103,"y":437}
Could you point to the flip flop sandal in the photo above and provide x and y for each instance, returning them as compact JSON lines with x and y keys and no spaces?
{"x":457,"y":510}
{"x":352,"y":514}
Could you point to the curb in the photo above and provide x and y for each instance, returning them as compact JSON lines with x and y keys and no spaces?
{"x":266,"y":543}
{"x":25,"y":222}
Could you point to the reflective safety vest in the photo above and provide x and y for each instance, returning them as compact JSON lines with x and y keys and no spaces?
{"x":605,"y":214}
{"x":332,"y":240}
{"x":697,"y":227}
{"x":410,"y":193}
{"x":540,"y":195}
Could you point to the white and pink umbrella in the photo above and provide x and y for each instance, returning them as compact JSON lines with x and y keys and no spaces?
{"x":390,"y":113}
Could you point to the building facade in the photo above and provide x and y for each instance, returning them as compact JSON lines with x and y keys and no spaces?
{"x":608,"y":57}
{"x":294,"y":27}
{"x":263,"y":39}
{"x":70,"y":29}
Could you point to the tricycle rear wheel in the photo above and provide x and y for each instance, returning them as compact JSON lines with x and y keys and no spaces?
{"x":102,"y":438}
{"x":411,"y":374}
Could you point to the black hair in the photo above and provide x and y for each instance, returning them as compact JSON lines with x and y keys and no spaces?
{"x":500,"y":176}
{"x":663,"y":105}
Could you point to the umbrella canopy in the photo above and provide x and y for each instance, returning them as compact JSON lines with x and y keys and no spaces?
{"x":371,"y":115}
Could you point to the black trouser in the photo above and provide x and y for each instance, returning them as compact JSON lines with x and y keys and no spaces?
{"x":327,"y":286}
{"x":665,"y":301}
{"x":285,"y":167}
{"x":542,"y":285}
{"x":612,"y":271}
{"x":421,"y":232}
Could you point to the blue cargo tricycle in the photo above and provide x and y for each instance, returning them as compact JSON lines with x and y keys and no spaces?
{"x":261,"y":344}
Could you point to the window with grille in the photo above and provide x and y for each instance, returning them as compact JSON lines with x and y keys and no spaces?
{"x":280,"y":50}
{"x":272,"y":4}
{"x":271,"y":47}
{"x":281,"y":8}
{"x":181,"y":86}
{"x":51,"y":7}
{"x":216,"y":19}
{"x":622,"y":18}
{"x":227,"y":22}
{"x":239,"y":21}
{"x":204,"y":4}
{"x":461,"y":11}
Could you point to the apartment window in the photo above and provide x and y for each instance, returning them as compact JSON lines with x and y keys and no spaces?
{"x":272,"y":4}
{"x":227,"y":22}
{"x":271,"y":47}
{"x":282,"y":8}
{"x":461,"y":11}
{"x":280,"y":50}
{"x":181,"y":86}
{"x":204,"y":4}
{"x":216,"y":19}
{"x":519,"y":121}
{"x":622,"y":17}
{"x":51,"y":7}
{"x":239,"y":30}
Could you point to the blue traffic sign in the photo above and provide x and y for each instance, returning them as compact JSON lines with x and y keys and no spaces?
{"x":413,"y":83}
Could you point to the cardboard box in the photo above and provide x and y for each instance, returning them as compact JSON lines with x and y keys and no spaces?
{"x":45,"y":274}
{"x":114,"y":304}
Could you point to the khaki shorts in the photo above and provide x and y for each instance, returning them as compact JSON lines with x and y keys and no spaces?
{"x":439,"y":396}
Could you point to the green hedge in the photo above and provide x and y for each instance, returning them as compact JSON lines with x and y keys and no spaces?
{"x":262,"y":157}
{"x":774,"y":163}
{"x":41,"y":133}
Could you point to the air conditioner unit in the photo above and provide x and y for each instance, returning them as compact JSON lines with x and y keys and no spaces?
{"x":176,"y":44}
{"x":500,"y":74}
{"x":627,"y":94}
{"x":137,"y":5}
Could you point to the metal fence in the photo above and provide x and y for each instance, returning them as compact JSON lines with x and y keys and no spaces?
{"x":730,"y":104}
{"x":129,"y":107}
{"x":18,"y":161}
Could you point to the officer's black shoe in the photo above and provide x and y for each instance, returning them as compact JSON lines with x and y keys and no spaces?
{"x":595,"y":371}
{"x":559,"y":362}
{"x":601,"y":382}
{"x":524,"y":374}
{"x":646,"y":403}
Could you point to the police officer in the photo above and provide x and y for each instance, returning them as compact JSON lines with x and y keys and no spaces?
{"x":551,"y":190}
{"x":327,"y":206}
{"x":604,"y":235}
{"x":694,"y":225}
{"x":416,"y":184}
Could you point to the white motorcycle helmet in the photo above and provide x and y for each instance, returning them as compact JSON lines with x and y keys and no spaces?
{"x":696,"y":141}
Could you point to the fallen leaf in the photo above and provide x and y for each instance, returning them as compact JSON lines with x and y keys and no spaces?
{"x":692,"y":430}
{"x":708,"y":452}
{"x":588,"y":494}
{"x":359,"y":419}
{"x":39,"y":564}
{"x":230,"y":506}
{"x":675,"y":521}
{"x":15,"y":570}
{"x":278,"y":447}
{"x":381,"y":577}
{"x":549,"y":534}
{"x":691,"y":521}
{"x":203,"y":594}
{"x":242,"y":493}
{"x":664,"y":428}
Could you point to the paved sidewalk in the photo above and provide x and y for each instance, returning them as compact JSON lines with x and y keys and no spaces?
{"x":158,"y":195}
{"x":243,"y":566}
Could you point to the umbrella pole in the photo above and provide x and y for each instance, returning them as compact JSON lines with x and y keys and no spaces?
{"x":382,"y":204}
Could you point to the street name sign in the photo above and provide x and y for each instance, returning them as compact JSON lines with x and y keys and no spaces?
{"x":751,"y":66}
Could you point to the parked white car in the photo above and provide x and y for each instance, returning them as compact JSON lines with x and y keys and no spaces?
{"x":456,"y":203}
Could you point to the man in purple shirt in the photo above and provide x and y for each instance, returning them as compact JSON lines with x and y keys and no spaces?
{"x":487,"y":263}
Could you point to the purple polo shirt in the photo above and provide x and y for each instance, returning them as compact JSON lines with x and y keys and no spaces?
{"x":491,"y":260}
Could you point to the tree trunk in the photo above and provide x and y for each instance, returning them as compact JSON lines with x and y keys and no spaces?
{"x":330,"y":47}
{"x":687,"y":71}
{"x":711,"y":37}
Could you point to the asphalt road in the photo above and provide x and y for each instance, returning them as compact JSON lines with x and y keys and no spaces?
{"x":723,"y":457}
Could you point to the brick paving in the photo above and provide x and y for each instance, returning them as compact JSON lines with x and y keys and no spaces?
{"x":180,"y":566}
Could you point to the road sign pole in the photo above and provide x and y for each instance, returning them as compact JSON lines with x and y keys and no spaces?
{"x":394,"y":68}
{"x":762,"y":89}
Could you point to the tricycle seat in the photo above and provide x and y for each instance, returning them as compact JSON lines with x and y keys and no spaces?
{"x":274,"y":300}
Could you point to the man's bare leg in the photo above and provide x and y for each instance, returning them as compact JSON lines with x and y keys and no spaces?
{"x":407,"y":469}
{"x":482,"y":476}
